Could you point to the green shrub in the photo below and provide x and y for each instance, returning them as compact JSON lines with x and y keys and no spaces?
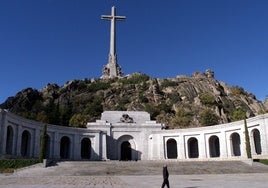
{"x":238,"y":114}
{"x":98,"y":85}
{"x":207,"y":99}
{"x":135,"y":79}
{"x":182,"y":118}
{"x":9,"y":165}
{"x":42,"y":154}
{"x":237,"y":91}
{"x":207,"y":118}
{"x":79,"y":120}
{"x":168,"y":83}
{"x":248,"y":148}
{"x":152,"y":110}
{"x":143,"y":99}
{"x":173,"y":97}
{"x":264,"y":161}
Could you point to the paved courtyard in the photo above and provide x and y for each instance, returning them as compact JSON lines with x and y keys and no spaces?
{"x":138,"y":174}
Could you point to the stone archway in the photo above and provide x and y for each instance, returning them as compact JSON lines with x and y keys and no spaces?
{"x":235,"y":144}
{"x":9,"y":140}
{"x":193,"y":151}
{"x":65,"y":147}
{"x":125,"y":151}
{"x":172,"y":152}
{"x":85,"y":148}
{"x":127,"y":148}
{"x":257,"y":141}
{"x":214,"y":146}
{"x":25,"y":144}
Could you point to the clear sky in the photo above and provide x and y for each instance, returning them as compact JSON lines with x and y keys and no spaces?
{"x":53,"y":41}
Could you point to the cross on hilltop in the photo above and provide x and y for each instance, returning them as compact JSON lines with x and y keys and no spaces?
{"x":112,"y":69}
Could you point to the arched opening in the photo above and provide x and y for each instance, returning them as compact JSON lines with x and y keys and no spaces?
{"x":85,"y":148}
{"x":214,"y":146}
{"x":257,"y":141}
{"x":65,"y":148}
{"x":235,"y":144}
{"x":172,"y":149}
{"x":193,"y":151}
{"x":125,"y":151}
{"x":9,"y":141}
{"x":25,"y":144}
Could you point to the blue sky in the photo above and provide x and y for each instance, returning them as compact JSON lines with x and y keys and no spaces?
{"x":53,"y":41}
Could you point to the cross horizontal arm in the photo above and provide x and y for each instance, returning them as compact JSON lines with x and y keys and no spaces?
{"x":120,"y":17}
{"x":109,"y":17}
{"x":106,"y":17}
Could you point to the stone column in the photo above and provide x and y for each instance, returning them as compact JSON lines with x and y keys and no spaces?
{"x":264,"y":137}
{"x":56,"y":148}
{"x":103,"y":146}
{"x":3,"y":136}
{"x":243,"y":143}
{"x":77,"y":147}
{"x":96,"y":147}
{"x":2,"y":123}
{"x":181,"y":147}
{"x":223,"y":144}
{"x":37,"y":143}
{"x":72,"y":146}
{"x":162,"y":147}
{"x":185,"y":142}
{"x":15,"y":140}
{"x":19,"y":140}
{"x":202,"y":147}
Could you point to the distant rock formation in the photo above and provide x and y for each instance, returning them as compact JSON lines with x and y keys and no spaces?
{"x":199,"y":100}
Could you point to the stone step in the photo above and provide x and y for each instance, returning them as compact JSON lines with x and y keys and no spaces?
{"x":89,"y":168}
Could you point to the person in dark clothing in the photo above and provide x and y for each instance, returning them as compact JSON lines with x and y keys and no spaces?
{"x":165,"y":177}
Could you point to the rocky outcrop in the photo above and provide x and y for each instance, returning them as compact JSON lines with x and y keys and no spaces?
{"x":198,"y":100}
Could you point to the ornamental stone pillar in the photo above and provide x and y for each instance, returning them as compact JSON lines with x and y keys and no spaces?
{"x":19,"y":130}
{"x":223,"y":145}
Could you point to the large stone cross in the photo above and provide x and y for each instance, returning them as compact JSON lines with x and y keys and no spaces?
{"x":112,"y":69}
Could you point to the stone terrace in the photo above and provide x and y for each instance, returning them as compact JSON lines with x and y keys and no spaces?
{"x":115,"y":174}
{"x":118,"y":168}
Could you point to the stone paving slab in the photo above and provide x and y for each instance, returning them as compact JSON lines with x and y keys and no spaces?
{"x":181,"y":181}
{"x":115,"y":174}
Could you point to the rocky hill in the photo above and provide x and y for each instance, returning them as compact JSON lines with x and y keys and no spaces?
{"x":199,"y":100}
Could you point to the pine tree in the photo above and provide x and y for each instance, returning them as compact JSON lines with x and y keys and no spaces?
{"x":248,"y":148}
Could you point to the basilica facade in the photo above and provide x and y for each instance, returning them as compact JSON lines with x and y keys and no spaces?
{"x":132,"y":135}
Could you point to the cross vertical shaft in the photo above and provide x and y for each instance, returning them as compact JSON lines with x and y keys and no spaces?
{"x":112,"y":69}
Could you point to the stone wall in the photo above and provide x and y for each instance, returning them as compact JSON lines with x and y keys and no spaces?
{"x":140,"y":139}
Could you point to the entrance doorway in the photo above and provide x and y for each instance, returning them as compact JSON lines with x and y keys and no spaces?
{"x":125,"y":151}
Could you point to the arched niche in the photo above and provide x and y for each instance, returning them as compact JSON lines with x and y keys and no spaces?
{"x":85,"y":148}
{"x":214,"y":146}
{"x":193,"y":150}
{"x":65,"y":147}
{"x":172,"y":152}
{"x":235,"y":144}
{"x":9,"y":140}
{"x":257,"y":141}
{"x":25,"y":144}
